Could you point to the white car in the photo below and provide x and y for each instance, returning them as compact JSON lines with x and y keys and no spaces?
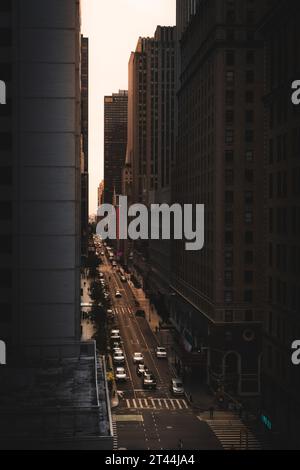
{"x":161,"y":353}
{"x":138,"y":358}
{"x":115,"y":335}
{"x":123,"y":278}
{"x":119,"y":357}
{"x":120,"y":374}
{"x":118,"y":294}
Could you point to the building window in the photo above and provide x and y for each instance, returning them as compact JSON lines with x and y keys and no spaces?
{"x":230,"y":58}
{"x":250,"y":57}
{"x":249,"y":217}
{"x":229,"y":197}
{"x":230,"y":34}
{"x":249,"y":176}
{"x":248,"y":275}
{"x":249,"y":116}
{"x":229,"y":156}
{"x":228,"y":296}
{"x":229,"y":116}
{"x":229,"y":177}
{"x":249,"y":136}
{"x":250,"y":76}
{"x":228,"y":218}
{"x":249,"y":238}
{"x":249,"y":315}
{"x":230,"y":77}
{"x":249,"y":156}
{"x":228,"y":316}
{"x":228,"y":277}
{"x":248,"y":296}
{"x":229,"y":238}
{"x":249,"y":97}
{"x":248,"y":257}
{"x":228,"y":259}
{"x":229,"y":97}
{"x":249,"y":197}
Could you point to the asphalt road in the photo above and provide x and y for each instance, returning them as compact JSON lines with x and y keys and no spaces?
{"x":149,"y":419}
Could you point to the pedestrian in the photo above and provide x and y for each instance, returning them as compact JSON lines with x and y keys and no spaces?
{"x":211,"y":412}
{"x":180,"y":444}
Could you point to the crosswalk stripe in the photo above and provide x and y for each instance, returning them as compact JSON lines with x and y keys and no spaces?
{"x":157,"y":403}
{"x":233,"y":433}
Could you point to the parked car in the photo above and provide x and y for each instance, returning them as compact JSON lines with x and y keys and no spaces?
{"x":119,"y":357}
{"x":149,"y":381}
{"x":138,"y":358}
{"x":140,"y":313}
{"x":120,"y":374}
{"x":141,"y":368}
{"x":101,"y":275}
{"x":123,"y":279}
{"x":177,"y":387}
{"x":161,"y":353}
{"x":118,"y":294}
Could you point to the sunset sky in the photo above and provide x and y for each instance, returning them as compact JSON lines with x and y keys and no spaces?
{"x":113,"y":27}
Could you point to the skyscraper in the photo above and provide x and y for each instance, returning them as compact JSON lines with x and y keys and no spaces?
{"x":281,"y":378}
{"x":40,"y":144}
{"x":185,"y":10}
{"x":115,"y":142}
{"x":217,"y":303}
{"x":85,"y":145}
{"x":151,"y":139}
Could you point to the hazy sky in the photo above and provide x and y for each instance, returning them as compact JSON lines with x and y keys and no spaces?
{"x":113,"y":27}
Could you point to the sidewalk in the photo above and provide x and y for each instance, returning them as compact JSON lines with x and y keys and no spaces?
{"x":197,"y":393}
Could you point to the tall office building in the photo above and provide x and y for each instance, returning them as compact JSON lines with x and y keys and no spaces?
{"x":217,"y":303}
{"x":115,"y":142}
{"x":281,"y":379}
{"x":52,"y":395}
{"x":85,"y":145}
{"x":100,"y":193}
{"x":151,"y":140}
{"x":185,"y":10}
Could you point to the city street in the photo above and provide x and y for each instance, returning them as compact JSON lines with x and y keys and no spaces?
{"x":149,"y":419}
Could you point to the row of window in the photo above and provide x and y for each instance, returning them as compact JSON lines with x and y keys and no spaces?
{"x":229,"y":297}
{"x":229,"y":136}
{"x":229,"y":258}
